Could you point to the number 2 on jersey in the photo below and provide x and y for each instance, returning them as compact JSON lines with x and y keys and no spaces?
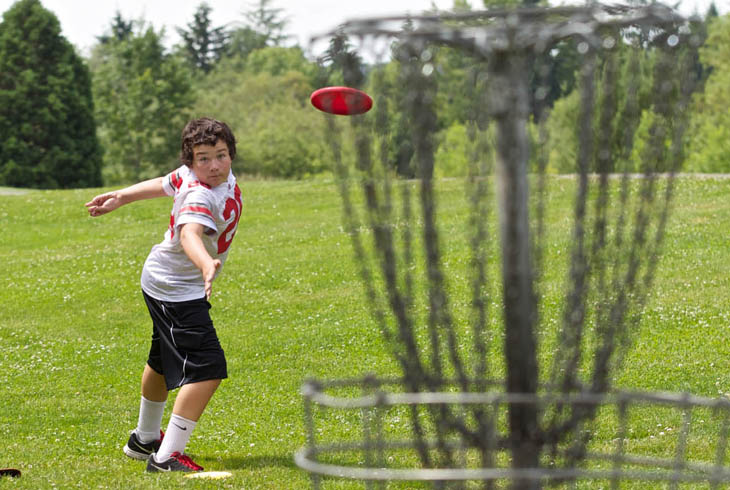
{"x":232,"y":206}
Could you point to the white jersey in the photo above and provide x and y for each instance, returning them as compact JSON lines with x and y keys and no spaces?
{"x":168,"y":274}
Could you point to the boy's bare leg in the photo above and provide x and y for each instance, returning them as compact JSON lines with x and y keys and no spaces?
{"x":153,"y":385}
{"x":193,"y":398}
{"x":189,"y":405}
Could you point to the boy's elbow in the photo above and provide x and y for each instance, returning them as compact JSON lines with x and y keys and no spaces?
{"x":184,"y":237}
{"x":190,"y":231}
{"x":185,"y":233}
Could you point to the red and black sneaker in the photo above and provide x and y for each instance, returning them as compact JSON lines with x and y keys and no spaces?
{"x":141,"y":450}
{"x":176,"y":462}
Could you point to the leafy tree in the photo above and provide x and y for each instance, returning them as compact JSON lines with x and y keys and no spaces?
{"x":278,"y":60}
{"x":203,"y":44}
{"x":709,"y":142}
{"x":389,"y":87}
{"x":46,"y":109}
{"x":453,"y":152}
{"x":119,"y":30}
{"x":562,"y":134}
{"x":279,"y":133}
{"x":502,"y":3}
{"x":142,"y":96}
{"x":455,"y":72}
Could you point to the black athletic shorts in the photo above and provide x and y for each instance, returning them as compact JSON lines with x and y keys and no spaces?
{"x":185,"y":347}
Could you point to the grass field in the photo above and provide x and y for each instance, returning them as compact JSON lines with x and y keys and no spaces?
{"x":289,"y":305}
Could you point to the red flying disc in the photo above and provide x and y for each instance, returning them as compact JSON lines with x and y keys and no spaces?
{"x":344,"y":101}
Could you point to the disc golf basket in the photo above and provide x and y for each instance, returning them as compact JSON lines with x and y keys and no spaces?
{"x":462,"y":293}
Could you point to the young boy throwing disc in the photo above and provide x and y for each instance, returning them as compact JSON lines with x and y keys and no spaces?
{"x":176,"y":283}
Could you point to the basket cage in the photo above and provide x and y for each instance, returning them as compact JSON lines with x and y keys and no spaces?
{"x":363,"y":430}
{"x":521,"y":431}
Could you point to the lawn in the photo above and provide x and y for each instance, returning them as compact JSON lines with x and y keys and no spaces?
{"x":288,"y":306}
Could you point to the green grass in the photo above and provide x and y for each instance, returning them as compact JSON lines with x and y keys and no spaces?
{"x":289,"y":305}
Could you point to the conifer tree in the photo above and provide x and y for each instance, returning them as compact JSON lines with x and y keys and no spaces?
{"x":119,"y":30}
{"x":46,"y":108}
{"x":203,"y":44}
{"x":267,"y":22}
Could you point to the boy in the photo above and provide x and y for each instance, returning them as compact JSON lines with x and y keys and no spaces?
{"x":176,"y":285}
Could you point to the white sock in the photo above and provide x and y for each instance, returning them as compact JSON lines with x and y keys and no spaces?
{"x":176,"y":437}
{"x":150,"y":419}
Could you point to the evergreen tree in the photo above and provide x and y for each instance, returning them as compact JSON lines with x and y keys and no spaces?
{"x":554,"y":71}
{"x":342,"y":64}
{"x":267,"y":22}
{"x":119,"y":30}
{"x":203,"y":44}
{"x":243,"y":41}
{"x":46,"y":109}
{"x":712,"y":13}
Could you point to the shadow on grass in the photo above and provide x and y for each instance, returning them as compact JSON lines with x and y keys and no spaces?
{"x":257,"y":462}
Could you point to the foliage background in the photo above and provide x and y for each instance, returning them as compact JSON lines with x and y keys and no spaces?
{"x":130,"y":98}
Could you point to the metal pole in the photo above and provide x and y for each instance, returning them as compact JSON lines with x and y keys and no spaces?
{"x":510,"y":106}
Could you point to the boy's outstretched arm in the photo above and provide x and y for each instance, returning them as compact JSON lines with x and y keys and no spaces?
{"x":191,"y":240}
{"x":109,"y":201}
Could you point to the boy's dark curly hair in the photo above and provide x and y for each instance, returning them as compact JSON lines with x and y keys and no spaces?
{"x":205,"y":131}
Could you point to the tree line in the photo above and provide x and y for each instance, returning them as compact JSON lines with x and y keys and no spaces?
{"x":115,"y":116}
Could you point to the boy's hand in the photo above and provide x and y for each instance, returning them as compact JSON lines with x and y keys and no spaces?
{"x":209,"y":274}
{"x":104,"y":203}
{"x":109,"y":201}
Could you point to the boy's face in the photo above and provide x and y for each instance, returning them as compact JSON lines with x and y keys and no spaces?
{"x":212,"y":163}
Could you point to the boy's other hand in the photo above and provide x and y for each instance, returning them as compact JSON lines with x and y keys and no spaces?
{"x":104,"y":203}
{"x":209,"y":275}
